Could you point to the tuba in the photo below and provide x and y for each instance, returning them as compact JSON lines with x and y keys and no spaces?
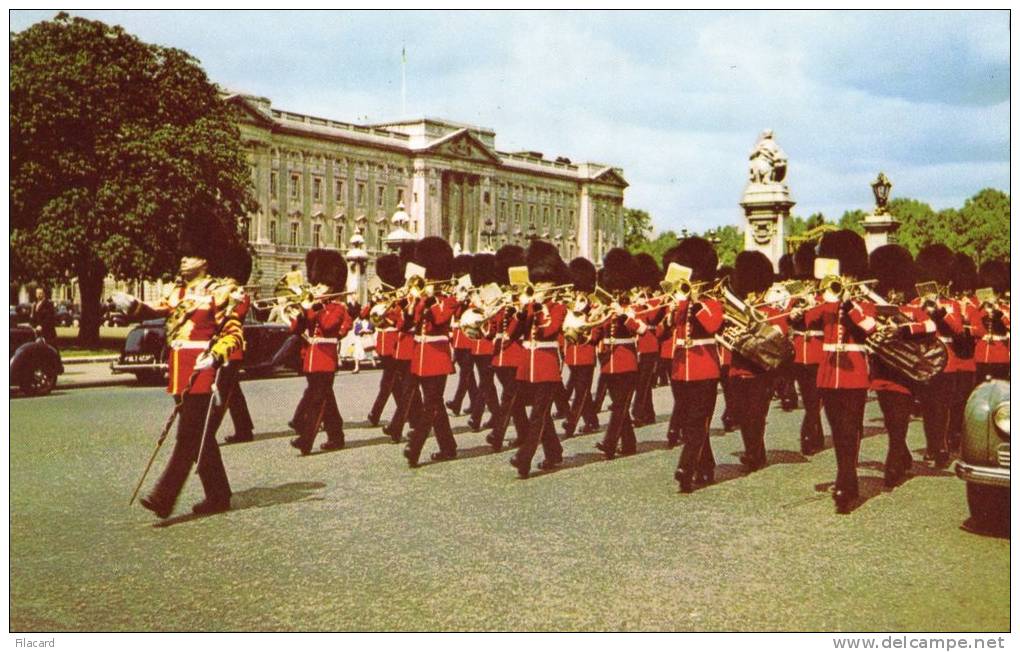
{"x":747,"y":333}
{"x":918,"y":358}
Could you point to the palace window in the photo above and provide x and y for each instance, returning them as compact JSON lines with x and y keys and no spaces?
{"x":339,"y":236}
{"x":502,"y":210}
{"x":338,"y":191}
{"x":317,"y":236}
{"x":400,"y":195}
{"x":517,"y":214}
{"x":317,"y":189}
{"x":272,"y":231}
{"x":571,"y":216}
{"x":559,"y":217}
{"x":274,"y":185}
{"x":531,"y":214}
{"x":380,"y":194}
{"x":360,"y":194}
{"x":487,"y":198}
{"x":545,"y":216}
{"x":295,"y":186}
{"x":294,"y":226}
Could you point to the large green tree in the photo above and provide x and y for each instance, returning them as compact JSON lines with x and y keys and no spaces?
{"x":113,"y":142}
{"x":637,"y":226}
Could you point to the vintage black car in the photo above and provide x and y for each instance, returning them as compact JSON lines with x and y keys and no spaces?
{"x":268,"y":348}
{"x":34,"y":364}
{"x":984,"y":453}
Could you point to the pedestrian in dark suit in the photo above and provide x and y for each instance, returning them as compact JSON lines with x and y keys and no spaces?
{"x":44,"y":317}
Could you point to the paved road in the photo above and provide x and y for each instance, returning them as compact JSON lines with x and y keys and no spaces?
{"x":354,"y":540}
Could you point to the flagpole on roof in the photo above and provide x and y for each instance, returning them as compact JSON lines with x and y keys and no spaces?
{"x":403,"y":82}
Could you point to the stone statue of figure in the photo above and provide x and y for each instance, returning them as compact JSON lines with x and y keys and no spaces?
{"x":768,"y":160}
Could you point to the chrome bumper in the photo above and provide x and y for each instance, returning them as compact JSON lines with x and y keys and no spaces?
{"x":990,"y":475}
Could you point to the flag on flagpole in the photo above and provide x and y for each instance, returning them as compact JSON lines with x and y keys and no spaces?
{"x":403,"y":54}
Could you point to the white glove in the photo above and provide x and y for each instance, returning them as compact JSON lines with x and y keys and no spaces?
{"x":205,"y":361}
{"x":123,"y":301}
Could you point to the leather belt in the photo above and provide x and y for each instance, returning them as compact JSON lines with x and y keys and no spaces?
{"x":843,"y":348}
{"x":431,"y":338}
{"x":189,"y":344}
{"x":323,"y":340}
{"x":808,"y":333}
{"x":385,"y":330}
{"x":996,"y":338}
{"x":531,"y":345}
{"x":620,"y":340}
{"x":687,"y":344}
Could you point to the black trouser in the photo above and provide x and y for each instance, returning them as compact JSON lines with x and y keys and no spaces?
{"x":643,"y":409}
{"x":963,"y":385}
{"x":731,"y":410}
{"x":434,"y":418}
{"x":561,"y":399}
{"x":751,"y":410}
{"x":408,"y":399}
{"x":936,"y":399}
{"x":621,"y":391}
{"x":811,"y":435}
{"x":987,"y":370}
{"x":465,"y":379}
{"x":786,"y":390}
{"x":844,"y":410}
{"x":579,"y":387}
{"x":540,"y":425}
{"x":387,"y":388}
{"x":663,"y":369}
{"x":600,"y":391}
{"x":231,"y":398}
{"x":698,"y":398}
{"x":487,"y":395}
{"x":896,"y":413}
{"x":320,"y":407}
{"x":511,"y":406}
{"x":190,"y":424}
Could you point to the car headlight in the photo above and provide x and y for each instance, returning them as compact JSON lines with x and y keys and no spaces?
{"x":1001,"y":419}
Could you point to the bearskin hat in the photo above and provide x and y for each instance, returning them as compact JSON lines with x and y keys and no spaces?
{"x":786,"y":269}
{"x":995,"y":274}
{"x":935,"y":263}
{"x":696,"y":253}
{"x":965,"y":276}
{"x":848,"y":248}
{"x":893,"y":267}
{"x":201,"y":237}
{"x":543,"y":260}
{"x":804,"y":261}
{"x":326,"y":267}
{"x":233,"y":261}
{"x":483,"y":269}
{"x":618,"y":270}
{"x":390,"y":270}
{"x":724,"y":271}
{"x":647,"y":272}
{"x":752,"y":273}
{"x":508,"y":256}
{"x":583,"y":274}
{"x":462,"y":265}
{"x":436,"y":256}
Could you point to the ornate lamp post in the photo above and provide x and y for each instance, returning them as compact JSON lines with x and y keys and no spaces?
{"x":357,"y":259}
{"x":488,"y":233}
{"x":880,"y":227}
{"x":399,"y":235}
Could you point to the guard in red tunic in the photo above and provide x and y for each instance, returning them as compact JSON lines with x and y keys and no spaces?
{"x":843,"y":374}
{"x":990,"y":323}
{"x":390,"y":271}
{"x":580,"y":355}
{"x":462,"y":345}
{"x":202,"y":330}
{"x":234,"y":267}
{"x":616,"y":338}
{"x":893,"y":267}
{"x":648,"y":278}
{"x":539,"y":323}
{"x":807,"y":355}
{"x":408,"y":395}
{"x":431,"y":312}
{"x":964,"y":284}
{"x":483,"y":273}
{"x":934,"y":265}
{"x":751,"y":385}
{"x":508,"y":353}
{"x":730,"y":421}
{"x":323,"y":322}
{"x":690,"y":326}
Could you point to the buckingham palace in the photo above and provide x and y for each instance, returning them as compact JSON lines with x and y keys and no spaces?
{"x":319,"y":182}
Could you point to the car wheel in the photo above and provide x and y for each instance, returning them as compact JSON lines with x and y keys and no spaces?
{"x":39,"y":381}
{"x":989,"y":506}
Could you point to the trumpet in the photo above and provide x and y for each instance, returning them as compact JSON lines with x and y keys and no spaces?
{"x":308,"y":294}
{"x":838,"y":284}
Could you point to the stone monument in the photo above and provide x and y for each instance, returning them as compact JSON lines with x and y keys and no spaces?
{"x":766,"y":200}
{"x":880,"y":227}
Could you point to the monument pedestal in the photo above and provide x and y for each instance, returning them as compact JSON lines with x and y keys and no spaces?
{"x":766,"y":208}
{"x":879,"y":230}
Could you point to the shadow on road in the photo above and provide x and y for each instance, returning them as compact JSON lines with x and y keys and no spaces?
{"x":292,"y":492}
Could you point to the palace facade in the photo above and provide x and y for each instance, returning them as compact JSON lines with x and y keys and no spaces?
{"x":319,"y":181}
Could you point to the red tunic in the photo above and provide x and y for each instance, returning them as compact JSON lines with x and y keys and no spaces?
{"x":992,"y":346}
{"x":579,"y":355}
{"x":807,"y":345}
{"x":541,"y":361}
{"x":951,"y":324}
{"x":324,"y":328}
{"x":884,"y":379}
{"x":617,"y":343}
{"x":432,"y":318}
{"x":695,"y":356}
{"x":844,"y":363}
{"x":506,"y":352}
{"x":242,"y":305}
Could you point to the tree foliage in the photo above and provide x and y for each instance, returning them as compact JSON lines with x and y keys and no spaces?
{"x":637,"y":226}
{"x":113,"y":142}
{"x":656,"y":246}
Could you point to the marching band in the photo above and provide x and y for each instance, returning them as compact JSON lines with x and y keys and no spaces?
{"x":839,"y":323}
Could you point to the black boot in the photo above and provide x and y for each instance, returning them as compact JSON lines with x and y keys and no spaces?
{"x":685,"y":479}
{"x":522,"y":471}
{"x":158,"y":507}
{"x":212,"y":506}
{"x":608,"y":452}
{"x":412,"y":459}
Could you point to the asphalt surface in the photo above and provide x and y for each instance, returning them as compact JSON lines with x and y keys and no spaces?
{"x":354,"y":540}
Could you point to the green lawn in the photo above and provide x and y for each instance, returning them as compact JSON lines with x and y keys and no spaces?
{"x":111,"y":340}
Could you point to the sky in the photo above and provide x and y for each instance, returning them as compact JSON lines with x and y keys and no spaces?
{"x":676,"y":99}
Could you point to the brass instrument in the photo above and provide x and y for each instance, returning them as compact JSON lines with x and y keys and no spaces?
{"x":748,"y":334}
{"x":918,"y":358}
{"x":308,"y":293}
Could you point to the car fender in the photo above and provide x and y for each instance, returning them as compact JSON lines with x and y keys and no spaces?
{"x":32,"y":353}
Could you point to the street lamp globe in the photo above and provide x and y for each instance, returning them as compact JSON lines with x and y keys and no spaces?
{"x":881,"y":187}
